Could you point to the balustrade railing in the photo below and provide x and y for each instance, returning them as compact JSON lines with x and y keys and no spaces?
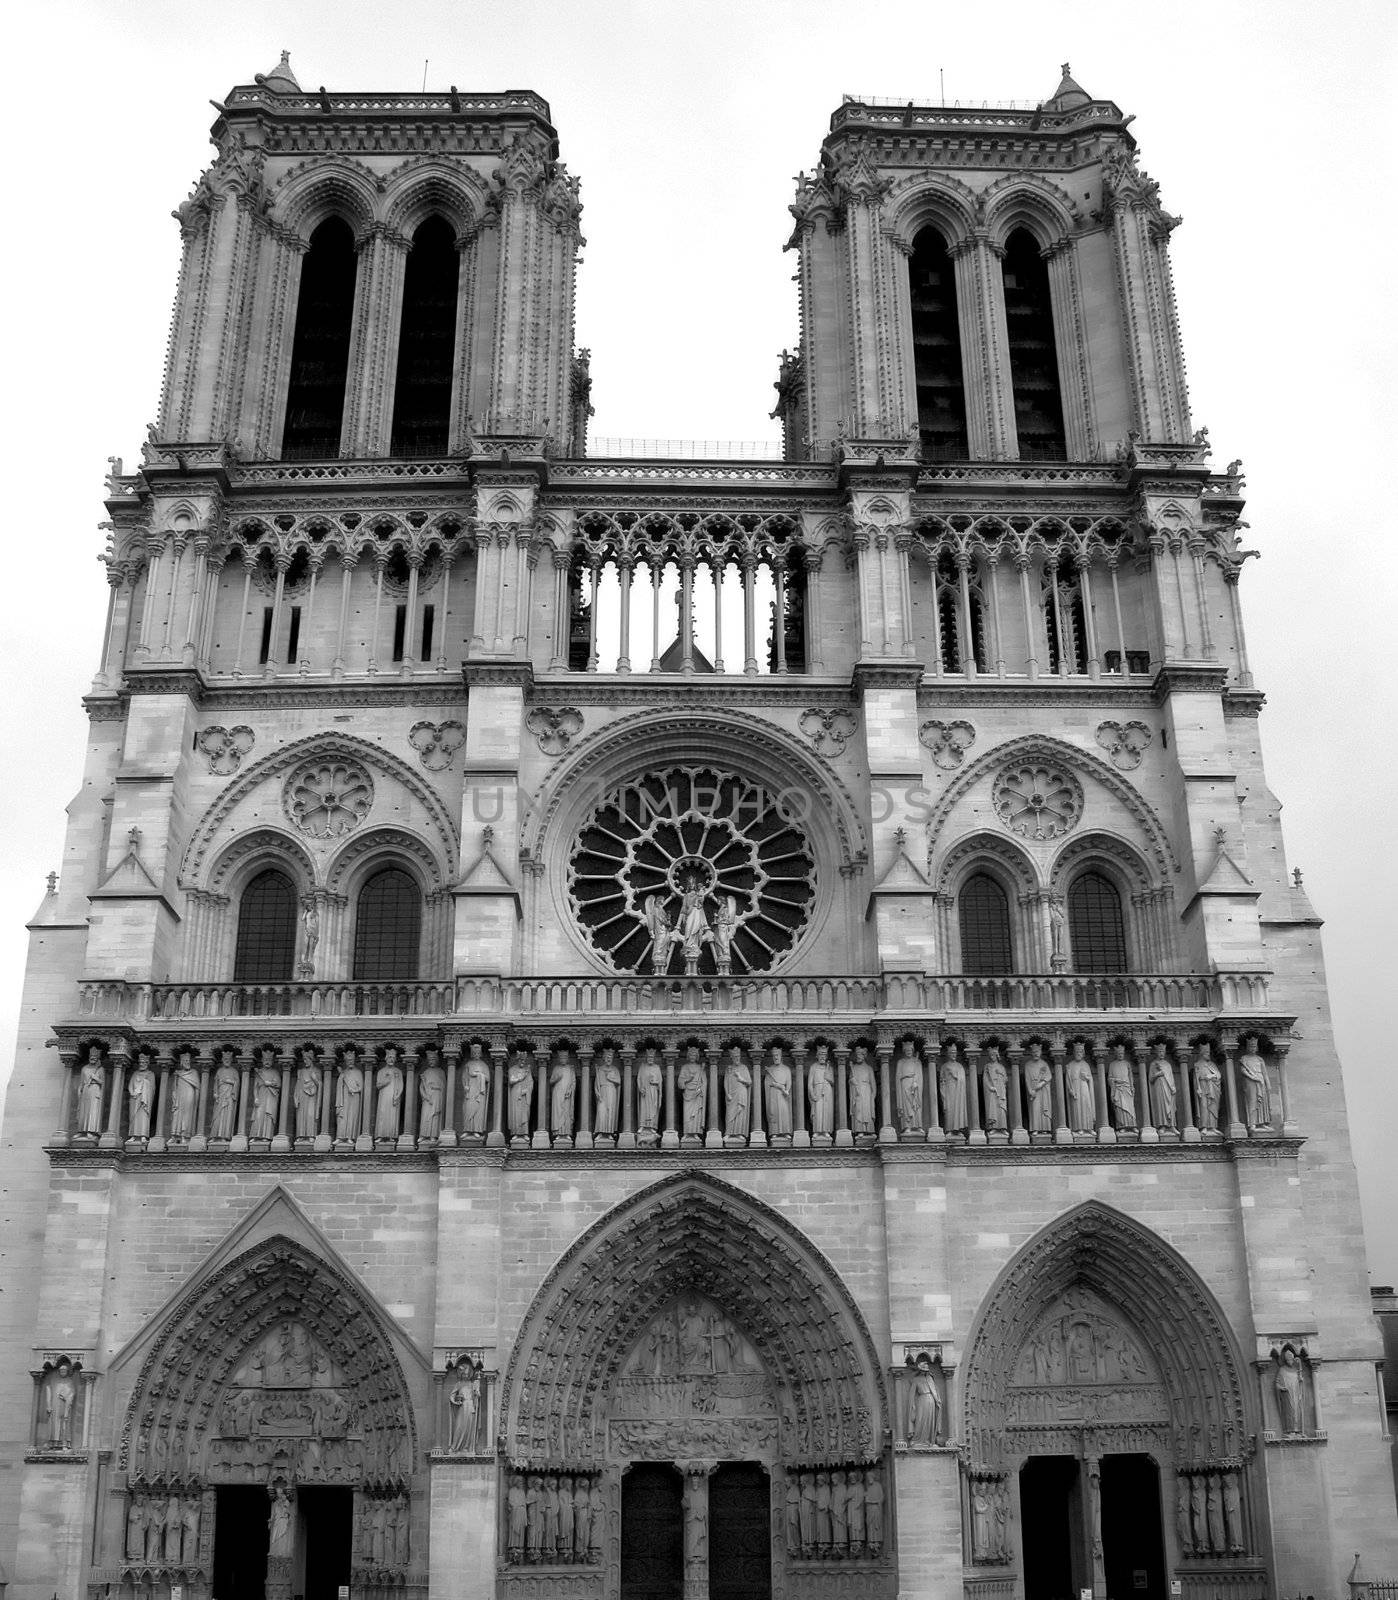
{"x":894,"y":994}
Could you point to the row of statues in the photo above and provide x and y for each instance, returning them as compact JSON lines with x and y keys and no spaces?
{"x":358,"y":1097}
{"x":1209,"y":1518}
{"x":382,"y":1532}
{"x":836,"y":1515}
{"x":990,"y":1520}
{"x":163,"y":1530}
{"x":554,"y":1517}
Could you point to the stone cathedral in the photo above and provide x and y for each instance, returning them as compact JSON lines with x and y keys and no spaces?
{"x":621,"y":1026}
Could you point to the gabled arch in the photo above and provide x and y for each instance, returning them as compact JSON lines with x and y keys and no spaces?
{"x":248,"y":854}
{"x":173,"y":1415}
{"x":335,"y":746}
{"x":428,"y":185}
{"x":364,"y":853}
{"x":1158,"y":1293}
{"x":693,"y":1232}
{"x":1108,"y":853}
{"x":1001,"y":856}
{"x":326,"y":186}
{"x":931,"y":200}
{"x":1155,"y":839}
{"x":1026,"y":200}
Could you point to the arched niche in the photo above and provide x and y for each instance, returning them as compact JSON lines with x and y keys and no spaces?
{"x":694,"y":1241}
{"x":1155,"y":1368}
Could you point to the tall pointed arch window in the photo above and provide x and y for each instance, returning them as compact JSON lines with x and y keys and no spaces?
{"x":1096,"y":927}
{"x":265,"y":948}
{"x":1033,"y":352}
{"x":426,"y":343}
{"x":941,"y":387}
{"x":983,"y":912}
{"x":315,"y":397}
{"x":387,"y":927}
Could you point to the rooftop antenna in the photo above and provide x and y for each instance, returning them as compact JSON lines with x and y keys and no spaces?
{"x":942,"y":80}
{"x":424,"y":77}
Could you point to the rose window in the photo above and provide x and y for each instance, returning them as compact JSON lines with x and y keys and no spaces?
{"x":1038,"y":801}
{"x":691,"y":871}
{"x":328,"y":798}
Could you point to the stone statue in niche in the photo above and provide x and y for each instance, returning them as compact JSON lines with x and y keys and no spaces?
{"x":1233,"y":1514}
{"x":172,"y":1533}
{"x":388,"y":1101}
{"x":464,"y":1407}
{"x":1160,"y":1077}
{"x":1081,"y":1097}
{"x":989,"y":1515}
{"x":693,"y":1081}
{"x":820,"y":1092}
{"x":520,"y":1091}
{"x":907,"y":1089}
{"x":924,"y":1401}
{"x":650,"y":1080}
{"x":57,"y":1405}
{"x":140,"y":1098}
{"x":951,"y":1077}
{"x":184,"y":1097}
{"x":854,"y":1511}
{"x":737,"y":1095}
{"x":516,"y":1518}
{"x":793,"y":1511}
{"x":1218,"y":1537}
{"x":349,"y":1099}
{"x":306,"y":1093}
{"x":431,"y":1096}
{"x":564,"y":1546}
{"x":1120,"y":1089}
{"x":1289,"y":1380}
{"x":1184,"y":1530}
{"x":995,"y":1090}
{"x":91,"y":1083}
{"x":281,"y":1525}
{"x":1208,"y":1086}
{"x":582,"y":1518}
{"x":1257,"y":1091}
{"x":606,"y":1089}
{"x":475,"y":1092}
{"x":873,"y":1511}
{"x":1038,"y":1089}
{"x":862,"y":1113}
{"x":310,"y":938}
{"x":822,"y":1521}
{"x":597,"y":1522}
{"x":135,"y":1528}
{"x":808,"y":1511}
{"x":266,"y":1095}
{"x":777,"y":1085}
{"x":563,"y":1090}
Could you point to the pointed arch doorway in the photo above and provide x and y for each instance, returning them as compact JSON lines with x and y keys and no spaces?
{"x":696,"y":1368}
{"x":1106,"y":1420}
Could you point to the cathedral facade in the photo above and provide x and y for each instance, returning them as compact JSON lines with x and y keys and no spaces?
{"x":620,"y":1028}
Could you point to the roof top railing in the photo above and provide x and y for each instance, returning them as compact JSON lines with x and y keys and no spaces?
{"x":686,"y":449}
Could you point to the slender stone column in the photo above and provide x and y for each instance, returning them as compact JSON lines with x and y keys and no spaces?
{"x":1287,"y":1125}
{"x":844,"y":1137}
{"x":496,"y":1136}
{"x":975,"y":1132}
{"x":888,"y":1132}
{"x":541,"y":1098}
{"x":1062,"y":1133}
{"x":325,"y":1138}
{"x":1150,"y":1134}
{"x":119,"y":1063}
{"x":407,"y":1138}
{"x":749,"y":618}
{"x":1189,"y":1133}
{"x":1106,"y":1134}
{"x":61,"y":1135}
{"x":161,"y":1114}
{"x":932,"y":1094}
{"x":282,"y":1141}
{"x":757,"y":1138}
{"x":365,"y":1141}
{"x":670,"y":1137}
{"x":239,"y":1142}
{"x":626,"y":1139}
{"x":713,"y":1135}
{"x":1236,"y":1127}
{"x":800,"y":1134}
{"x":1019,"y":1134}
{"x":199,"y":1140}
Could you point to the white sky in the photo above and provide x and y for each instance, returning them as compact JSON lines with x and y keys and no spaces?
{"x":1270,"y":128}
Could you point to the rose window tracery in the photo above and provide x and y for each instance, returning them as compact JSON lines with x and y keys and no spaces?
{"x":691,"y":870}
{"x":1038,"y":801}
{"x":328,"y":799}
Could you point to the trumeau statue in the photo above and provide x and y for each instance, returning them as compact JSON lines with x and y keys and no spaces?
{"x":388,"y":1102}
{"x":951,"y":1076}
{"x":563,"y":1088}
{"x":1208,"y":1086}
{"x":140,"y":1097}
{"x":606,"y":1088}
{"x":349,"y":1099}
{"x":924,"y":1402}
{"x":1290,"y":1381}
{"x":432,"y":1095}
{"x":266,"y":1095}
{"x":60,"y":1398}
{"x":737,"y":1095}
{"x":520,"y":1077}
{"x":1160,"y":1077}
{"x":1078,"y":1089}
{"x":862,"y":1096}
{"x":693,"y":1082}
{"x":908,"y":1089}
{"x":777,"y":1082}
{"x":820,"y":1091}
{"x":1038,"y":1089}
{"x":475,"y":1094}
{"x":306,"y":1090}
{"x":223,"y":1119}
{"x":91,"y":1083}
{"x":1257,"y":1093}
{"x":1120,"y":1089}
{"x":995,"y":1091}
{"x":464,"y":1402}
{"x":650,"y":1080}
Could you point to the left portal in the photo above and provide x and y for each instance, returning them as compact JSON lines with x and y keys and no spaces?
{"x":240,"y":1543}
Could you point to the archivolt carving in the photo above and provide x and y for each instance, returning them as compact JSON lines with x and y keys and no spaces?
{"x":937,"y":200}
{"x":322,"y":746}
{"x":977,"y":849}
{"x":274,"y":1334}
{"x":1038,"y":746}
{"x":761,"y":750}
{"x":275,"y":848}
{"x":1093,"y":847}
{"x":1027,"y":200}
{"x":384,"y":842}
{"x":424,"y":186}
{"x":687,"y":1236}
{"x":1156,"y":1294}
{"x":325,"y":186}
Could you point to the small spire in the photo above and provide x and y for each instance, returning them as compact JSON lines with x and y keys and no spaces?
{"x":1069,"y":93}
{"x":53,"y":883}
{"x":281,"y":79}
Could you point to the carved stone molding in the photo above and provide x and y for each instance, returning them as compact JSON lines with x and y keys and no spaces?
{"x":436,"y":743}
{"x":554,"y":728}
{"x":1124,"y":742}
{"x":224,"y":748}
{"x":828,"y":730}
{"x":948,"y":741}
{"x":328,"y":798}
{"x":1038,"y":800}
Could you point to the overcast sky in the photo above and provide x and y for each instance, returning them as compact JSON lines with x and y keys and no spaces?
{"x":1270,"y":128}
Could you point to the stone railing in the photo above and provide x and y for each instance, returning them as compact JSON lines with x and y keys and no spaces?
{"x":804,"y":1081}
{"x":893,"y":996}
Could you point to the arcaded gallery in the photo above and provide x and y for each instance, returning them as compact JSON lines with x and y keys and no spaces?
{"x":631,"y":1026}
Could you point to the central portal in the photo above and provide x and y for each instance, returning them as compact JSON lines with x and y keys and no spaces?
{"x":652,"y":1533}
{"x":740,"y":1532}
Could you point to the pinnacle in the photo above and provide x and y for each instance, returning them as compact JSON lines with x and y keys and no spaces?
{"x":1069,"y":93}
{"x":281,"y":79}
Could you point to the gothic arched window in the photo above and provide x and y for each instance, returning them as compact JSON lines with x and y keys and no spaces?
{"x":315,"y":396}
{"x":265,"y":949}
{"x":1095,"y":924}
{"x":941,"y":388}
{"x":426,"y":344}
{"x":984,"y":912}
{"x":1033,"y":353}
{"x":387,"y":927}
